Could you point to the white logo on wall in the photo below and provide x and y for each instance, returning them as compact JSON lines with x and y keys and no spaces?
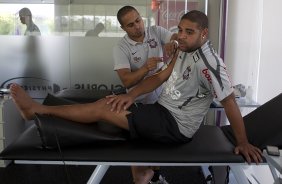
{"x":40,"y":87}
{"x":35,"y":87}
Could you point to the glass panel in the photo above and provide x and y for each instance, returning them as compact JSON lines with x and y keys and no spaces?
{"x":65,"y":56}
{"x":31,"y":54}
{"x":91,"y":53}
{"x":39,"y":63}
{"x":169,"y":12}
{"x":19,"y":19}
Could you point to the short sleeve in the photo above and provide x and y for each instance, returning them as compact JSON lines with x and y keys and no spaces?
{"x":218,"y":81}
{"x":120,"y":58}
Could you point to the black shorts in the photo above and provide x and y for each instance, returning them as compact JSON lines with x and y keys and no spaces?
{"x":153,"y":122}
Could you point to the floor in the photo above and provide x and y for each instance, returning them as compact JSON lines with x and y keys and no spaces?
{"x":54,"y":174}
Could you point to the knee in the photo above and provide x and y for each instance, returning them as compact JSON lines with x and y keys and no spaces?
{"x":102,"y":106}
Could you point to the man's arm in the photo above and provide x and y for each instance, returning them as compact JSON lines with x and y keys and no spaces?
{"x":170,"y":47}
{"x":131,"y":78}
{"x":145,"y":86}
{"x":154,"y":81}
{"x":234,"y":116}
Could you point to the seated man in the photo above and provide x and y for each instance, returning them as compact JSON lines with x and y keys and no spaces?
{"x":193,"y":78}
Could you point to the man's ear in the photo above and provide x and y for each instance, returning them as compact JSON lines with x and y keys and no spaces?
{"x":205,"y":33}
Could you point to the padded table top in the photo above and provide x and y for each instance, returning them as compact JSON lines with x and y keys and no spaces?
{"x":209,"y":145}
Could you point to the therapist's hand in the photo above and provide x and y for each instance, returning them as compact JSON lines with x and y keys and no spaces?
{"x":250,"y":152}
{"x":120,"y":102}
{"x":170,"y":48}
{"x":152,"y":63}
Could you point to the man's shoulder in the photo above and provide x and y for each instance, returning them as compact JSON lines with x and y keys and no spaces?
{"x":155,"y":28}
{"x":209,"y":54}
{"x":123,"y":42}
{"x":123,"y":46}
{"x":152,"y":27}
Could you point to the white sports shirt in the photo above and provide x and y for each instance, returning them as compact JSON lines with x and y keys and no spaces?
{"x":133,"y":55}
{"x":196,"y":79}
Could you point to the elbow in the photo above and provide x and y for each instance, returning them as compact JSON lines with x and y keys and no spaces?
{"x":128,"y":84}
{"x":229,"y":100}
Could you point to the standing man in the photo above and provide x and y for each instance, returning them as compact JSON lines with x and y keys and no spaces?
{"x":193,"y":78}
{"x":26,"y":18}
{"x":138,"y":55}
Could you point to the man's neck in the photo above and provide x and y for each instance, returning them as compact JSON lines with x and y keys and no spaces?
{"x":138,"y":39}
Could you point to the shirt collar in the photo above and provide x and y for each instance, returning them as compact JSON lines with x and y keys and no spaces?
{"x":132,"y":42}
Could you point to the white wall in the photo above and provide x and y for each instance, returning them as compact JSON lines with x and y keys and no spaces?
{"x":252,"y":46}
{"x":243,"y":40}
{"x":269,"y":83}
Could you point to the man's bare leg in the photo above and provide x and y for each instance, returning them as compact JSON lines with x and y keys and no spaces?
{"x":82,"y":113}
{"x":141,"y":174}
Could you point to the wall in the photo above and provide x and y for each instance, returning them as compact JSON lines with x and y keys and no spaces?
{"x":47,"y":64}
{"x":65,"y":58}
{"x":252,"y":55}
{"x":269,"y":83}
{"x":243,"y":41}
{"x":251,"y":46}
{"x":40,"y":64}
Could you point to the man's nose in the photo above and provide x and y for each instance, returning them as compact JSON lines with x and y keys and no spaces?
{"x":136,"y":26}
{"x":182,"y":36}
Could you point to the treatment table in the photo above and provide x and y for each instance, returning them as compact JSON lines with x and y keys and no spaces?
{"x":52,"y":140}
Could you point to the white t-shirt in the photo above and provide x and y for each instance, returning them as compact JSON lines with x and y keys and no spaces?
{"x":196,"y":79}
{"x":133,"y":55}
{"x":32,"y":30}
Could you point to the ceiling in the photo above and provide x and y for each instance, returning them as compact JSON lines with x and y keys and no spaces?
{"x":26,"y":1}
{"x":124,"y":2}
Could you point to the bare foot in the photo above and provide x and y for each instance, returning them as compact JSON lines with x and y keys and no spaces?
{"x":149,"y":173}
{"x":142,"y":174}
{"x":26,"y":105}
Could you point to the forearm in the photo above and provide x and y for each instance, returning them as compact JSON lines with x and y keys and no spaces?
{"x":151,"y":83}
{"x":145,"y":86}
{"x":129,"y":78}
{"x":235,"y":118}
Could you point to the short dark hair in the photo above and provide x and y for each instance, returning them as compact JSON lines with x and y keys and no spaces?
{"x":25,"y":12}
{"x":198,"y":17}
{"x":123,"y":11}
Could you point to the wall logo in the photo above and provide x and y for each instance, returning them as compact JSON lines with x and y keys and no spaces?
{"x":111,"y":87}
{"x":34,"y":86}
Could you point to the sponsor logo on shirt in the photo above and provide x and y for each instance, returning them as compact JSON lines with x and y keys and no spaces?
{"x":207,"y":75}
